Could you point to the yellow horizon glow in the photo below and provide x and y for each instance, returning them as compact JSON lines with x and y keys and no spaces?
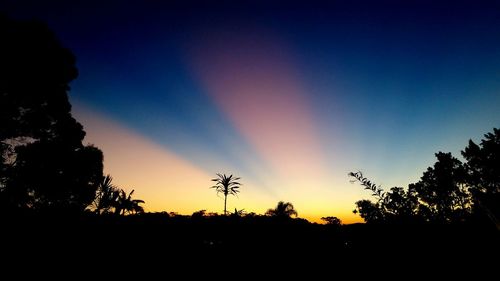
{"x":168,"y":182}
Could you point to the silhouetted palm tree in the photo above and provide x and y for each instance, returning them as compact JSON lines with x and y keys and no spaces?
{"x":282,"y":210}
{"x":125,"y":204}
{"x":106,"y":196}
{"x":227,"y":185}
{"x":238,"y":213}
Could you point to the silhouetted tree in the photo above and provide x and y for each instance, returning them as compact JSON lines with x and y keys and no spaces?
{"x":483,"y":174}
{"x":111,"y":199}
{"x":238,"y":213}
{"x":394,"y":205}
{"x":173,"y":214}
{"x":45,"y":175}
{"x":198,"y":214}
{"x":106,"y":196}
{"x":126,"y":205}
{"x":370,"y":211}
{"x":401,"y":205}
{"x":250,"y":215}
{"x":443,"y":191}
{"x":227,"y":185}
{"x":483,"y":163}
{"x":282,"y":210}
{"x":333,"y":221}
{"x":440,"y":195}
{"x":44,"y":164}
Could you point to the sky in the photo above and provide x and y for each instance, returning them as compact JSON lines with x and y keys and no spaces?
{"x":289,"y":96}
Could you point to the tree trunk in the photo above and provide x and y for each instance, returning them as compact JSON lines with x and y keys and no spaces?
{"x":225,"y":201}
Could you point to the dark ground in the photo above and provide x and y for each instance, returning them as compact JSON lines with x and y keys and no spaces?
{"x":156,"y":244}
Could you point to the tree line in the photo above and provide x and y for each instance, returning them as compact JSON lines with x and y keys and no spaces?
{"x":449,"y":191}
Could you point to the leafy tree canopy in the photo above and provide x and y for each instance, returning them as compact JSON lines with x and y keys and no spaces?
{"x":44,"y":163}
{"x":449,"y":191}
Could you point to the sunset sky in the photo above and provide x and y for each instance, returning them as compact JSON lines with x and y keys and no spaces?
{"x":289,"y":97}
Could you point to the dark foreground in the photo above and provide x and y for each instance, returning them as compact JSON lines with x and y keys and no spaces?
{"x":152,"y":244}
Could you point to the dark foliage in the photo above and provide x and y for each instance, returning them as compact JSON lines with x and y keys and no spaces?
{"x":448,"y":192}
{"x":283,"y":210}
{"x":112,"y":199}
{"x":44,"y":164}
{"x":332,"y":221}
{"x":443,"y":192}
{"x":483,"y":175}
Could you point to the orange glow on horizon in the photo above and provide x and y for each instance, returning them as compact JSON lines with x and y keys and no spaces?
{"x":254,"y":80}
{"x":161,"y":178}
{"x":167,"y":182}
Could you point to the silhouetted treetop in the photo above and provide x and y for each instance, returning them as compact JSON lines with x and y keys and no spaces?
{"x":449,"y":191}
{"x":282,"y":210}
{"x":44,"y":163}
{"x":483,"y":163}
{"x":440,"y":195}
{"x":483,"y":175}
{"x":34,"y":76}
{"x":126,"y":205}
{"x":332,"y":221}
{"x":106,"y":196}
{"x":443,"y":191}
{"x":227,"y":185}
